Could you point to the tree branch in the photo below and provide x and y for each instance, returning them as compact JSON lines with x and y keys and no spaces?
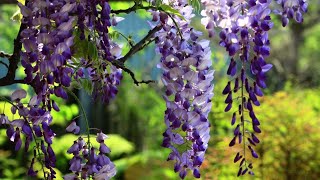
{"x":140,"y":44}
{"x":120,"y":65}
{"x":5,"y":55}
{"x":135,"y":7}
{"x":8,"y":2}
{"x":6,"y":65}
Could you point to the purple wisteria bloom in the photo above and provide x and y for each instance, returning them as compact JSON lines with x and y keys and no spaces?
{"x":187,"y":76}
{"x":73,"y":128}
{"x":291,"y":9}
{"x":244,"y":27}
{"x":47,"y":41}
{"x":33,"y":124}
{"x":4,"y":119}
{"x":95,"y":16}
{"x":88,"y":162}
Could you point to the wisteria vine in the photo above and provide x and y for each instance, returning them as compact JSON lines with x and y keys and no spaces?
{"x":67,"y":41}
{"x":244,"y":34}
{"x":187,"y":75}
{"x":51,"y":63}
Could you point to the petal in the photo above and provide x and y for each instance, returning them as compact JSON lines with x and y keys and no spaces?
{"x":196,"y":173}
{"x":18,"y":94}
{"x":101,"y":137}
{"x":103,"y":148}
{"x":73,"y":128}
{"x":266,"y":67}
{"x":232,"y":142}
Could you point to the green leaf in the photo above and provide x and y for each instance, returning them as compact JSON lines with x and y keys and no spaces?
{"x":17,"y":16}
{"x":87,"y":86}
{"x":114,"y":34}
{"x":170,"y":10}
{"x":195,"y":4}
{"x":76,"y":84}
{"x":80,"y":47}
{"x":84,"y":48}
{"x":92,"y":51}
{"x":158,"y":2}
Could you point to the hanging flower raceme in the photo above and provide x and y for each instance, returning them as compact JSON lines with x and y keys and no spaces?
{"x":87,"y":161}
{"x":291,"y":9}
{"x":47,"y":41}
{"x":104,"y":76}
{"x":244,"y":34}
{"x":50,"y":58}
{"x":241,"y":24}
{"x":187,"y":76}
{"x":49,"y":47}
{"x":33,"y":126}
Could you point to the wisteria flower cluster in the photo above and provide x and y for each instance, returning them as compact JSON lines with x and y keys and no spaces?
{"x":291,"y":9}
{"x":49,"y":47}
{"x":244,"y":34}
{"x":50,"y":65}
{"x":102,"y":73}
{"x":86,"y":162}
{"x":33,"y":125}
{"x":66,"y":41}
{"x":187,"y":75}
{"x":47,"y":41}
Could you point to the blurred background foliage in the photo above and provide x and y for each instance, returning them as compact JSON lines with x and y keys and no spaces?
{"x":290,"y":111}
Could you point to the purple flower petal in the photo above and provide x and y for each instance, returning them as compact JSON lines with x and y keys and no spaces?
{"x":73,"y":128}
{"x":26,"y":129}
{"x":227,"y":89}
{"x":254,"y":154}
{"x":236,"y":130}
{"x":233,"y":120}
{"x":18,"y":94}
{"x":196,"y":173}
{"x":55,"y":106}
{"x":232,"y":142}
{"x":229,"y":98}
{"x":239,"y":172}
{"x":104,"y":149}
{"x":183,"y":173}
{"x":255,"y":138}
{"x":228,"y":107}
{"x":74,"y":149}
{"x":237,"y":158}
{"x":256,"y":129}
{"x":101,"y":137}
{"x":266,"y":68}
{"x":75,"y":164}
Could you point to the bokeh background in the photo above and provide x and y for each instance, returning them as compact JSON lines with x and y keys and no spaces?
{"x":289,"y":112}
